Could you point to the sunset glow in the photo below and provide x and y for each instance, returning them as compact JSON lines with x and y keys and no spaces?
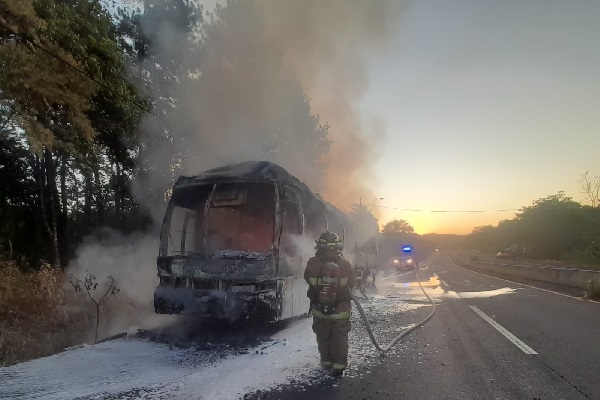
{"x":485,"y":108}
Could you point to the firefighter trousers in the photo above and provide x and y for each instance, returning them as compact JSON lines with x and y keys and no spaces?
{"x":332,"y":340}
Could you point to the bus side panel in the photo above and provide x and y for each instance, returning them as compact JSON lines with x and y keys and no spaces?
{"x":295,"y":301}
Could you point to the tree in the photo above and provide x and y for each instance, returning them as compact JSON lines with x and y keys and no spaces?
{"x":483,"y":236}
{"x":65,"y":98}
{"x":398,"y":226}
{"x":90,"y":284}
{"x":20,"y":234}
{"x":162,"y":40}
{"x":552,"y":225}
{"x":364,"y":218}
{"x":46,"y":99}
{"x":590,"y":187}
{"x":42,"y":77}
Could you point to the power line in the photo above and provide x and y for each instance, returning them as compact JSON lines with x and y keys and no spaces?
{"x":449,"y":211}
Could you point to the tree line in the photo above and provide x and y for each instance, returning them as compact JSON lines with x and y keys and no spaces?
{"x":553,"y":227}
{"x":88,"y":95}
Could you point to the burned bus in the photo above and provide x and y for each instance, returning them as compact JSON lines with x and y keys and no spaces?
{"x":235,"y":240}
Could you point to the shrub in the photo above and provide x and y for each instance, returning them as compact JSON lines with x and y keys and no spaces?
{"x":41,"y":314}
{"x":89,"y":285}
{"x":33,"y":320}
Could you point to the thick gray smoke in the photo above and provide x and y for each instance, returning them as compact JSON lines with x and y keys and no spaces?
{"x":328,"y":44}
{"x":278,"y":80}
{"x":234,"y":101}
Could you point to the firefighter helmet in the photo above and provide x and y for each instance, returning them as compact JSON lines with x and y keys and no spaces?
{"x":329,"y":241}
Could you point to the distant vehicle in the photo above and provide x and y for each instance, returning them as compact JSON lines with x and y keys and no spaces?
{"x":405,"y":263}
{"x":506,"y":253}
{"x":437,"y":249}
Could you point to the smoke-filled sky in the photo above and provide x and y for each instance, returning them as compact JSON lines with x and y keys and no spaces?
{"x":275,"y":77}
{"x":448,"y":106}
{"x":328,"y":46}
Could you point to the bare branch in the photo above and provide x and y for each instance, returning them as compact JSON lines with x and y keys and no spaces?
{"x":590,"y":186}
{"x":109,"y":290}
{"x":90,"y":283}
{"x":91,"y":298}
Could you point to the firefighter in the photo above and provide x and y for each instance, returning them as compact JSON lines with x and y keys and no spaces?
{"x":360,"y":280}
{"x":330,"y":277}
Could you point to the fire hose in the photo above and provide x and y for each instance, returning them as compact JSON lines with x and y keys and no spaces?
{"x":384,"y":349}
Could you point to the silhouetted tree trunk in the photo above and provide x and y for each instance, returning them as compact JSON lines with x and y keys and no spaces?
{"x":41,"y":175}
{"x":99,"y":195}
{"x":118,"y":193}
{"x":63,"y":208}
{"x":53,"y":207}
{"x":63,"y":186}
{"x":88,"y":195}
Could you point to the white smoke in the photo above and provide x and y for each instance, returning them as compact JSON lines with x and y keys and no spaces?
{"x":264,"y":67}
{"x":131,"y":261}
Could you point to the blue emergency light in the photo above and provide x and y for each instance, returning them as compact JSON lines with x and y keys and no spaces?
{"x":407,"y":248}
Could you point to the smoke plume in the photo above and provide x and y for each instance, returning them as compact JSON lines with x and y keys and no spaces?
{"x":280,"y":81}
{"x":328,"y":44}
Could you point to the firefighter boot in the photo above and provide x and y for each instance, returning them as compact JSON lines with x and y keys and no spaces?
{"x":338,"y":346}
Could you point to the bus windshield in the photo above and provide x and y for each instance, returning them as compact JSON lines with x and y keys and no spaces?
{"x":218,"y":217}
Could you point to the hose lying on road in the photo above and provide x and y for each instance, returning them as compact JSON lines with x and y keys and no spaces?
{"x":404,"y":332}
{"x":363,"y":292}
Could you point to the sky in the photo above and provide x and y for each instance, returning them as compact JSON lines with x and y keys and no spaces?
{"x":487,"y":106}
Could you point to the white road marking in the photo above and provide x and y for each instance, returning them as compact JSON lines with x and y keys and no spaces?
{"x":515,"y":340}
{"x":488,"y":293}
{"x":397,"y":275}
{"x":444,"y":285}
{"x":512,"y":338}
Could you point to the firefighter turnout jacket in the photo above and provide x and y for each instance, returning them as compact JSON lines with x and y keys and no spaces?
{"x":315,"y":273}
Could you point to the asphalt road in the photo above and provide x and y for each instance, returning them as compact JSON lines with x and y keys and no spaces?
{"x":489,"y":339}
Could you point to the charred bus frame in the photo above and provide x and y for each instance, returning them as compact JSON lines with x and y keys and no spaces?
{"x":235,"y":240}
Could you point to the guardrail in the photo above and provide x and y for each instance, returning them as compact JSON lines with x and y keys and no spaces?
{"x":573,"y":277}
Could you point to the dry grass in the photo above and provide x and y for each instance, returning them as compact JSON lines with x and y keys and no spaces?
{"x":33,"y":317}
{"x":40,"y":314}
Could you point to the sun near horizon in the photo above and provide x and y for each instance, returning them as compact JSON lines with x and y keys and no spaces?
{"x":455,"y":223}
